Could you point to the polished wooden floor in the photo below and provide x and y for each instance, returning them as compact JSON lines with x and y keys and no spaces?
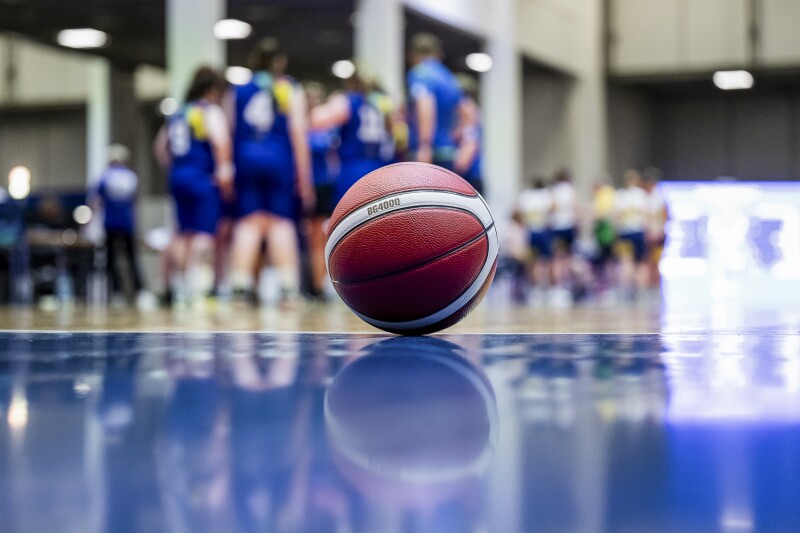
{"x":488,"y":318}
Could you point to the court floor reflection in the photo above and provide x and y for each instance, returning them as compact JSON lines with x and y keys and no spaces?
{"x":349,"y":433}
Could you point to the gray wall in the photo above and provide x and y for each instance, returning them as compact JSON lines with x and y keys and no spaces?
{"x":748,"y":136}
{"x":51,"y":141}
{"x":545,"y":136}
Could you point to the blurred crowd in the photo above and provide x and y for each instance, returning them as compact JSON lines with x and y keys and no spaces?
{"x":256,"y":169}
{"x":559,"y":252}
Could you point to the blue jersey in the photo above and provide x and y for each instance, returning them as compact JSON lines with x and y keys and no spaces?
{"x":320,"y":142}
{"x":433,"y":78}
{"x":188,"y":142}
{"x":117,"y":189}
{"x":364,"y":134}
{"x":262,"y":108}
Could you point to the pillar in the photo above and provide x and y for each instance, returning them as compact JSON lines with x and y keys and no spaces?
{"x":378,"y":42}
{"x":191,"y":41}
{"x":98,"y":117}
{"x":501,"y":101}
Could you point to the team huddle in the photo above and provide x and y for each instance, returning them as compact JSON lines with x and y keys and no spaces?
{"x":255,"y":170}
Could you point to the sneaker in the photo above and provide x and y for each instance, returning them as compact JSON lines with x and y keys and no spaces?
{"x":244,"y":298}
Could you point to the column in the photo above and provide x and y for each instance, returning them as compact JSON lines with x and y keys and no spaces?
{"x":98,"y":117}
{"x":191,"y":41}
{"x":378,"y":42}
{"x":587,"y":104}
{"x":125,"y":115}
{"x":501,"y":101}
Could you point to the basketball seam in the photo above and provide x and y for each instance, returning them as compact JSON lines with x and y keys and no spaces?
{"x":422,"y":263}
{"x":400,"y":210}
{"x":359,"y":206}
{"x":393,"y":325}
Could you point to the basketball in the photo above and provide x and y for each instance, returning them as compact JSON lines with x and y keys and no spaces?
{"x":411,"y":248}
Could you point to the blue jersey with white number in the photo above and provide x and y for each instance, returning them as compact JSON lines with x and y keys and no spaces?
{"x":188,"y":141}
{"x":433,"y":78}
{"x":364,"y":133}
{"x":262,"y":108}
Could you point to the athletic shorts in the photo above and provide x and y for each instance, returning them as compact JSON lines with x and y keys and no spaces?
{"x":197,"y":202}
{"x":635,"y":240}
{"x":541,"y":243}
{"x":265,"y":180}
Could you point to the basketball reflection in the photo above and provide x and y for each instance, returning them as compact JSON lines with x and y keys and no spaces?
{"x":412,"y":423}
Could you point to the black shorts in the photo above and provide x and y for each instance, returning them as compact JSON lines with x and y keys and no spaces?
{"x":325,"y":200}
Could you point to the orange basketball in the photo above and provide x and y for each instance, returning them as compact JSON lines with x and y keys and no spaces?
{"x":412,"y":248}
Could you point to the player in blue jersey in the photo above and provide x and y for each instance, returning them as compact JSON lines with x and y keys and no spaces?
{"x":273,"y":169}
{"x":434,"y":97}
{"x":467,"y":162}
{"x":325,"y":169}
{"x":115,"y":194}
{"x":195,"y":145}
{"x":363,"y":129}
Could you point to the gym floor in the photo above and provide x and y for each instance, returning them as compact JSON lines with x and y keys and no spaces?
{"x":129,"y":421}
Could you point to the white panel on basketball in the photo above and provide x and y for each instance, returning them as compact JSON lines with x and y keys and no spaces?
{"x":472,"y":204}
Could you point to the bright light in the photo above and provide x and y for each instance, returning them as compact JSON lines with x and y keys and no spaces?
{"x":728,"y":80}
{"x":168,"y":106}
{"x":82,"y":38}
{"x":238,"y":75}
{"x":19,"y":183}
{"x":17,"y":417}
{"x":82,"y":214}
{"x":480,"y":62}
{"x":343,"y":69}
{"x":232,"y":29}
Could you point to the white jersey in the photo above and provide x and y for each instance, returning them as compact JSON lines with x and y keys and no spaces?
{"x":535,"y":205}
{"x":565,"y":203}
{"x":631,"y":206}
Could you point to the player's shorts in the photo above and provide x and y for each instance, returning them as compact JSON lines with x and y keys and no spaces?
{"x":541,"y":244}
{"x":197,"y":202}
{"x":326,"y":202}
{"x":265,"y":180}
{"x":634,"y":240}
{"x":564,"y":238}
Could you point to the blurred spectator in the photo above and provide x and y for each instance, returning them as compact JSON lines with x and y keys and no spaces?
{"x":603,"y":232}
{"x":469,"y":134}
{"x":535,"y":205}
{"x":631,"y":217}
{"x":657,"y":216}
{"x":115,"y":195}
{"x":433,"y":100}
{"x":564,"y":218}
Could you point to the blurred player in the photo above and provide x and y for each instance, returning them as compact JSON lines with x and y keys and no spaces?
{"x":362,"y":127}
{"x":324,"y":168}
{"x":564,"y":218}
{"x":467,"y":162}
{"x":195,"y":144}
{"x":657,"y":216}
{"x":535,"y":205}
{"x":273,"y":168}
{"x":116,"y":194}
{"x":630,"y":206}
{"x":433,"y":100}
{"x":604,"y":233}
